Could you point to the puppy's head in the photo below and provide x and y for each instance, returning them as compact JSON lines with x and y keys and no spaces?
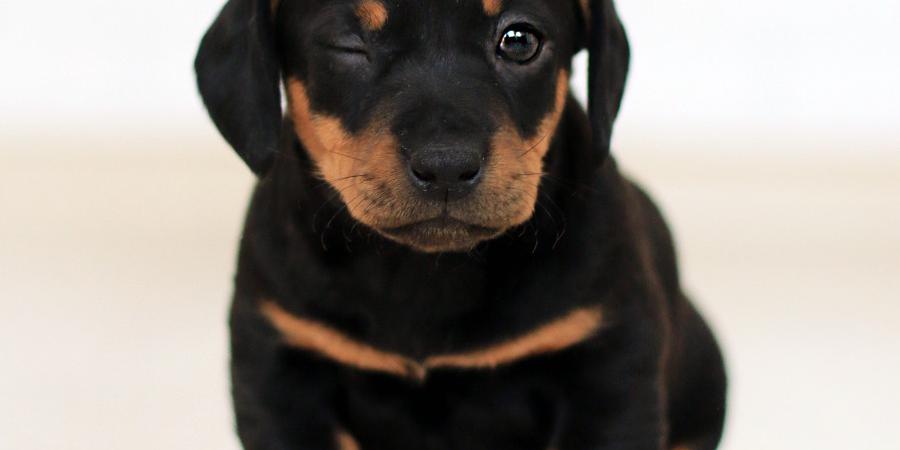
{"x":431,"y":119}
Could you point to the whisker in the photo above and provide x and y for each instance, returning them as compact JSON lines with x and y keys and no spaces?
{"x":532,"y":174}
{"x":561,"y":230}
{"x":568,"y":184}
{"x":340,"y":210}
{"x":362,"y":175}
{"x":337,"y":192}
{"x":315,"y":219}
{"x":536,"y":144}
{"x":331,"y":182}
{"x":546,"y":211}
{"x":346,"y":156}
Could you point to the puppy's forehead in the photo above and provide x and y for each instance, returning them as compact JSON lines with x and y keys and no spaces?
{"x":374,"y":14}
{"x":490,"y":7}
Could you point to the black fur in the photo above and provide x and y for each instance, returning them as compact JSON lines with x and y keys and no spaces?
{"x":652,"y":379}
{"x":238,"y":74}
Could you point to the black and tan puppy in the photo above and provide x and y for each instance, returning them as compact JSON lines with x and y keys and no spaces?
{"x":440,"y":254}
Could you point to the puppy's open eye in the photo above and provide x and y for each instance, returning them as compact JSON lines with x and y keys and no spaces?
{"x":519,"y":43}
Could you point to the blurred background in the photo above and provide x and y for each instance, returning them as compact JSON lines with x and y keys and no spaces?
{"x":769,"y":131}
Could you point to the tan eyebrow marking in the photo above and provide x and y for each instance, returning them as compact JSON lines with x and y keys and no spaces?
{"x":372,"y":13}
{"x":345,"y":441}
{"x":492,"y":7}
{"x":567,"y":331}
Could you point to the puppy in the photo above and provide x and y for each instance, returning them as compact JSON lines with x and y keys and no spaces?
{"x":440,"y":253}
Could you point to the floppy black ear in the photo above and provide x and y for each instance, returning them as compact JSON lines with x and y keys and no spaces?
{"x":238,"y":75}
{"x":607,"y":44}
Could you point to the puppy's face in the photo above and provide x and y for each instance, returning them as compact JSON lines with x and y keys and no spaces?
{"x":431,"y":119}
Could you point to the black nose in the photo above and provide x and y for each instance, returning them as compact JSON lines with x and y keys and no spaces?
{"x":449,"y":174}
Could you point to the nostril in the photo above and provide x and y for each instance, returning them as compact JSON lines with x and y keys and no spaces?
{"x":470,"y":175}
{"x":424,"y":176}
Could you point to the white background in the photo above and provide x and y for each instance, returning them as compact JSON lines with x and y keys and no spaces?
{"x":769,"y":131}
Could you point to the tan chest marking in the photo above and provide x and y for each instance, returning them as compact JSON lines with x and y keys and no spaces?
{"x":567,"y":331}
{"x":330,"y":343}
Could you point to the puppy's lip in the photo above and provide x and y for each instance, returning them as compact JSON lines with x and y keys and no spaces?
{"x":441,"y":234}
{"x":441,"y":223}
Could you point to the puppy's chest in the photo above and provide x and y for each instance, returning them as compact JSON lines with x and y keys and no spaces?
{"x":415,"y":342}
{"x":453,"y":411}
{"x":411,"y":318}
{"x":415,"y":318}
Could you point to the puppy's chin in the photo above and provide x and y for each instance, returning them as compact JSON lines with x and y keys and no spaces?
{"x":441,"y":235}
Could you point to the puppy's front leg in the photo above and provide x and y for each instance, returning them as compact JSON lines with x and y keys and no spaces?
{"x":632,"y":422}
{"x":615,"y":404}
{"x":283,"y":398}
{"x":291,"y":410}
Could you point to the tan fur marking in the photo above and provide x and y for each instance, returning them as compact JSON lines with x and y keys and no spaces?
{"x":372,"y":14}
{"x":541,"y":141}
{"x":363,"y":168}
{"x":523,"y":159}
{"x":313,"y":336}
{"x":345,"y":441}
{"x":585,"y":8}
{"x":305,"y":123}
{"x":326,"y":341}
{"x":553,"y":337}
{"x":492,"y":7}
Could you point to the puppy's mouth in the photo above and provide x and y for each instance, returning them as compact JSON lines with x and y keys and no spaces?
{"x":441,"y":234}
